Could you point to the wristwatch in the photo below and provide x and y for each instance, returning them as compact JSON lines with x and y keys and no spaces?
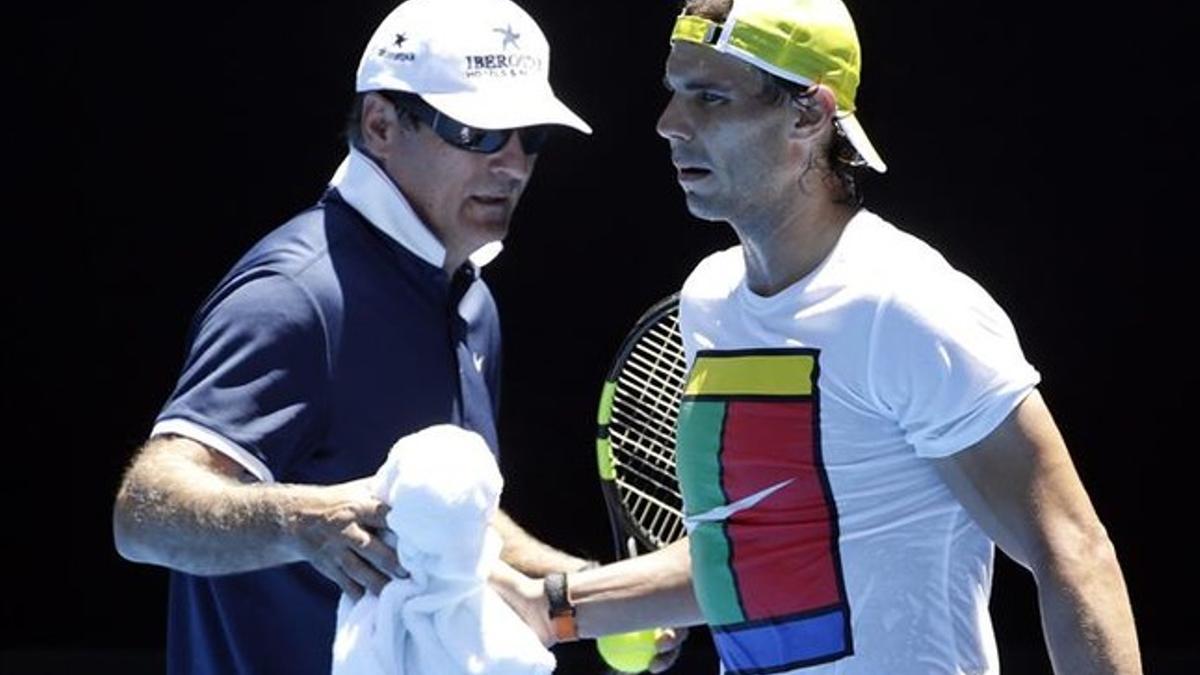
{"x":562,"y":612}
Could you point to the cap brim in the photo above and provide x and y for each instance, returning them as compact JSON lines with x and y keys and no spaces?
{"x":507,"y":108}
{"x":858,"y":138}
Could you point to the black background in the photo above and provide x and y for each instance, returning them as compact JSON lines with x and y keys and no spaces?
{"x":1039,"y":148}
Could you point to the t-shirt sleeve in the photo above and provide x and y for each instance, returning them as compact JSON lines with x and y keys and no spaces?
{"x":256,"y":375}
{"x":947,"y":365}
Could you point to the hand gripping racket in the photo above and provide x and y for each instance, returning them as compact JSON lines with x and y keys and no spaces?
{"x":635,"y":440}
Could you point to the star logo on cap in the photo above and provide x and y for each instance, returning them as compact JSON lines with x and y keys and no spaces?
{"x":401,"y":38}
{"x":510,"y":36}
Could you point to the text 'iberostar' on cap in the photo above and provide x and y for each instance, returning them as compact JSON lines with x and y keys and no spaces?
{"x":483,"y":62}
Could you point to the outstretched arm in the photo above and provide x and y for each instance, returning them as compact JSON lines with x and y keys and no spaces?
{"x":185,"y":506}
{"x":650,"y":591}
{"x":643,"y":592}
{"x":1021,"y":487}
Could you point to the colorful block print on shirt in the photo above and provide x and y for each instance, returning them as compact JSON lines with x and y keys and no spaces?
{"x":762,"y":519}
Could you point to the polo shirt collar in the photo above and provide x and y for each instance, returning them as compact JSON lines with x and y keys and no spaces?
{"x":365,"y":186}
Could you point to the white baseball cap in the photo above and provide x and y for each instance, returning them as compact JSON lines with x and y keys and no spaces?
{"x":484,"y":63}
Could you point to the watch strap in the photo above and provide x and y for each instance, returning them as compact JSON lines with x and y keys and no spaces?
{"x":562,"y":612}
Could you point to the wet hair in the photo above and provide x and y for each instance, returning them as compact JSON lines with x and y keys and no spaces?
{"x":841,"y":159}
{"x":713,"y":10}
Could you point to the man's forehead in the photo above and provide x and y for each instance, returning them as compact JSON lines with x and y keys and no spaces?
{"x":692,"y":66}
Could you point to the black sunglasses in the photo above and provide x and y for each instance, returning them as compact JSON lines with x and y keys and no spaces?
{"x":464,"y":136}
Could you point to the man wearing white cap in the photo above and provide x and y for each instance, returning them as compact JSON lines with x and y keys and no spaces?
{"x":859,"y":424}
{"x":360,"y":321}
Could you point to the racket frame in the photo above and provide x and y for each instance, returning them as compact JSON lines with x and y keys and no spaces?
{"x":628,"y":534}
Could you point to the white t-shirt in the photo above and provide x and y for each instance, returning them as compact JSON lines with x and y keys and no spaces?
{"x":822,"y":538}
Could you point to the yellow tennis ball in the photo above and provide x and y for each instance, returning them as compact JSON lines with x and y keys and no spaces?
{"x":628,"y":652}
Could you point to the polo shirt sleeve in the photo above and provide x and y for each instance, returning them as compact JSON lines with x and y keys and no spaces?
{"x":256,"y":375}
{"x":947,"y":365}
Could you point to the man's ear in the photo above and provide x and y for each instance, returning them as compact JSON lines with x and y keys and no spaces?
{"x":379,"y":124}
{"x":813,"y":112}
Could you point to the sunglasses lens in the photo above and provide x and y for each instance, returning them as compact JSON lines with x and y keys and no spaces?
{"x":489,"y":140}
{"x":492,"y":140}
{"x":467,"y":137}
{"x":462,"y":136}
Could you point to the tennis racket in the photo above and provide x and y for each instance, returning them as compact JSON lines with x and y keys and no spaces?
{"x":635,"y":440}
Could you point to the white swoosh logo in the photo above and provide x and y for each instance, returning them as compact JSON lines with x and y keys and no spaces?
{"x":478,"y":358}
{"x":720,"y":513}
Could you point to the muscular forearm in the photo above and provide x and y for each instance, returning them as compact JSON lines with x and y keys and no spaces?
{"x":529,"y":555}
{"x":1086,"y":613}
{"x":188,"y":507}
{"x":173,"y":513}
{"x":653,"y":590}
{"x":1020,"y":486}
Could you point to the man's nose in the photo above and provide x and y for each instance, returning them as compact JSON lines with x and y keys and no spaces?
{"x":671,"y":124}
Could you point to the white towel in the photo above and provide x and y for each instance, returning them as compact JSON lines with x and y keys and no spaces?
{"x":443,"y":486}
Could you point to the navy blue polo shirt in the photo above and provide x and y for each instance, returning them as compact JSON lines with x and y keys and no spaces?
{"x":331,"y":338}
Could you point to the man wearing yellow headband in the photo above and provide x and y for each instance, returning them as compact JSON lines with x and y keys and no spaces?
{"x":860,"y":426}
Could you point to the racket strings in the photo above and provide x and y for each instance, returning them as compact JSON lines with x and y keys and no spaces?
{"x":644,"y":412}
{"x":656,"y":465}
{"x":649,"y":431}
{"x":655,"y":410}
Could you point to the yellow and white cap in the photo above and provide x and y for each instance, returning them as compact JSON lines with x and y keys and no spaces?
{"x":803,"y":41}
